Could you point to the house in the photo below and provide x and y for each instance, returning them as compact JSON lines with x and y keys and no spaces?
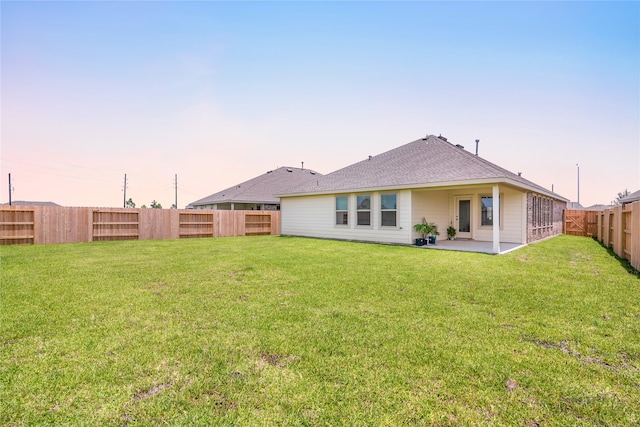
{"x":28,"y":203}
{"x":575,"y":206}
{"x":630,"y":198}
{"x":597,"y":207}
{"x":257,"y":193}
{"x":380,"y":199}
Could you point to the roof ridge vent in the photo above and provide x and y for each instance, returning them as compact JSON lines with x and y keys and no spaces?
{"x":442,"y":137}
{"x":289,"y":170}
{"x":459,"y":146}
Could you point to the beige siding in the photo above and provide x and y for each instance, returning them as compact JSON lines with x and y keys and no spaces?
{"x":439,"y":206}
{"x":314,"y":216}
{"x":432,"y":206}
{"x":511,"y":217}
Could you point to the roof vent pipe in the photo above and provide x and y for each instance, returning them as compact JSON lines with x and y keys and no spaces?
{"x":370,"y":157}
{"x":302,"y":165}
{"x":477,"y":142}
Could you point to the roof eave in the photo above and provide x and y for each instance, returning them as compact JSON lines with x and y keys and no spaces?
{"x":216,"y":202}
{"x":471,"y":182}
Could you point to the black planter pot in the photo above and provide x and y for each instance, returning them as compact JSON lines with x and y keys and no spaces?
{"x":419,"y":242}
{"x":432,"y":240}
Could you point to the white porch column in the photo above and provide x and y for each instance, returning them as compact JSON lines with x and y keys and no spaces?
{"x":496,"y":219}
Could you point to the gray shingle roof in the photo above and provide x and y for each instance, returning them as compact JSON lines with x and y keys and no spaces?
{"x":631,"y":197}
{"x":261,"y":189}
{"x":29,"y":203}
{"x":423,"y":162}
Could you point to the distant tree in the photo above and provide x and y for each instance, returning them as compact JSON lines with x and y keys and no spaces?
{"x":173,"y":206}
{"x":155,"y":205}
{"x":144,"y":206}
{"x":621,"y":195}
{"x":130,"y":203}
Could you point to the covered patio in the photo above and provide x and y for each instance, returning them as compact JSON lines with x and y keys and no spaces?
{"x":468,"y":245}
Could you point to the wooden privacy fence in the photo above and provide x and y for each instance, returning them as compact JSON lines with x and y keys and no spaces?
{"x":57,"y":224}
{"x":580,"y":222}
{"x":619,"y":229}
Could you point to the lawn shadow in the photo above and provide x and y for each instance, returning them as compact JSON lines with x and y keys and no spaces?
{"x":625,"y":263}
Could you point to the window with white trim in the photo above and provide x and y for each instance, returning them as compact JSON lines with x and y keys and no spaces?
{"x":363,"y":209}
{"x":388,"y":209}
{"x":342,"y":210}
{"x":486,"y":210}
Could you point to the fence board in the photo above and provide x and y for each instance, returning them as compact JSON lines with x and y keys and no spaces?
{"x":57,"y":224}
{"x":619,"y":229}
{"x":17,"y":225}
{"x":634,"y":256}
{"x":580,"y":223}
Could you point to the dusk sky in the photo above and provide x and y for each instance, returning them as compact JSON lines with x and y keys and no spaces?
{"x":220,"y":92}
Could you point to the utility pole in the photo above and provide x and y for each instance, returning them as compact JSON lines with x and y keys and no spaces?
{"x":578,"y":184}
{"x":124,"y":203}
{"x":176,"y":182}
{"x":9,"y":189}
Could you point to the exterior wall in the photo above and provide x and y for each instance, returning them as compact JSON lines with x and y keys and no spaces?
{"x":432,"y":206}
{"x":315,"y":216}
{"x":537,"y":232}
{"x":511,"y":214}
{"x":439,"y":206}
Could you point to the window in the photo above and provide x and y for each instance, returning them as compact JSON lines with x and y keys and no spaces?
{"x":487,"y":212}
{"x":342,"y":210}
{"x":542,"y":212}
{"x":364,"y":210}
{"x":388,"y":209}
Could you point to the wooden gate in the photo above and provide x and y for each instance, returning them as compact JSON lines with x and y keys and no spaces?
{"x":580,"y":223}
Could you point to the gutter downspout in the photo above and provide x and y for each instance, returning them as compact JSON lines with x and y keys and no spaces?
{"x":496,"y":219}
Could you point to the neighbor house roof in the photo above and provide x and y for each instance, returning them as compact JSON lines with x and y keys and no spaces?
{"x":598,"y":207}
{"x":28,"y":203}
{"x":426,"y":162}
{"x":631,"y":197}
{"x":261,"y":189}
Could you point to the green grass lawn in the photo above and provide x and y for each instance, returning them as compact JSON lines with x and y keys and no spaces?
{"x":291,"y":331}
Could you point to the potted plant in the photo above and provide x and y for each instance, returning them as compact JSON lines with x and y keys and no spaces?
{"x":451,"y":232}
{"x":433,"y":232}
{"x":424,"y":229}
{"x":428,"y":230}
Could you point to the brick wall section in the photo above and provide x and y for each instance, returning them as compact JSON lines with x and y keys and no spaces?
{"x":536,"y":233}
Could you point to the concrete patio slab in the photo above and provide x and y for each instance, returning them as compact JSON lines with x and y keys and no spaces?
{"x":467,"y":245}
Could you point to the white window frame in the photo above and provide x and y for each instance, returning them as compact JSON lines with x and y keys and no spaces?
{"x":389,"y":210}
{"x":500,"y":211}
{"x":337,"y":211}
{"x":358,"y":210}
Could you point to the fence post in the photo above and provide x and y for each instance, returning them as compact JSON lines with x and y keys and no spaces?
{"x":635,"y":235}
